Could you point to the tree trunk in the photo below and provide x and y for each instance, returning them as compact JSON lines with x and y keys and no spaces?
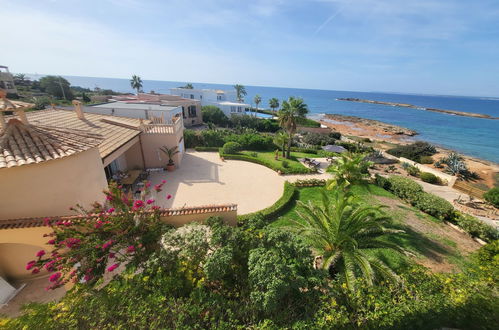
{"x":284,"y":149}
{"x":289,"y":146}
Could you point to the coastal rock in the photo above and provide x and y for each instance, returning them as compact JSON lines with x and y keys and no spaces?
{"x":386,"y":128}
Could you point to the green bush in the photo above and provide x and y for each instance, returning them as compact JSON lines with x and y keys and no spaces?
{"x":285,"y":164}
{"x":411,"y":170}
{"x":413,"y":151}
{"x":404,"y":188}
{"x":382,"y":182}
{"x":492,"y":196}
{"x":305,"y":150}
{"x":304,"y":121}
{"x":433,"y":205}
{"x":425,"y":160}
{"x":231,"y":148}
{"x":213,"y":114}
{"x":429,"y":177}
{"x":278,"y":208}
{"x":317,"y":139}
{"x":310,"y":183}
{"x":254,"y":154}
{"x":475,"y":227}
{"x":252,"y":141}
{"x":264,"y":162}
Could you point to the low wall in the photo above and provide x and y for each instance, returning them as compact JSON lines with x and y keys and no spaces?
{"x":20,"y":239}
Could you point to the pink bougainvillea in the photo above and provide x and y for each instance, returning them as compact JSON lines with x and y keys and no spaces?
{"x":123,"y":230}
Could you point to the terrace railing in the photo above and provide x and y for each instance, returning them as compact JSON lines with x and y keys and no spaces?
{"x":158,"y":128}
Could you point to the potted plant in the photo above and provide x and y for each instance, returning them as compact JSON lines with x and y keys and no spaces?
{"x":170,"y":152}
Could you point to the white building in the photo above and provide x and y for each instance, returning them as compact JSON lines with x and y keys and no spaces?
{"x":225,"y":100}
{"x":7,"y":80}
{"x":158,"y":113}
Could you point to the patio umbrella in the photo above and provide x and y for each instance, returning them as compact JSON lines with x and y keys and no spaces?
{"x":332,"y":148}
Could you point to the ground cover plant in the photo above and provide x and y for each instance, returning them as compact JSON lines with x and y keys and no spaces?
{"x":413,"y":151}
{"x":268,"y":158}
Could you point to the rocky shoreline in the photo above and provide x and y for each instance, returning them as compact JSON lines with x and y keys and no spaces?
{"x":378,"y":126}
{"x":405,"y":105}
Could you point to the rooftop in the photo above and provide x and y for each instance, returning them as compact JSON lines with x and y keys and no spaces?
{"x":115,"y":131}
{"x":137,"y":104}
{"x":23,"y":144}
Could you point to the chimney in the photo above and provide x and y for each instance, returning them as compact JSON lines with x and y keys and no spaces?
{"x":78,"y":109}
{"x":22,"y":115}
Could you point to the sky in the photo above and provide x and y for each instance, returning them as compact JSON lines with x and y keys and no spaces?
{"x":448,"y":47}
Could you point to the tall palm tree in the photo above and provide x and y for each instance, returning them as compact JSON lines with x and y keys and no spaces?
{"x":274,"y":103}
{"x":188,"y":86}
{"x":291,"y":110}
{"x":347,"y":170}
{"x":240,"y":92}
{"x":257,"y":99}
{"x":343,"y":232}
{"x":136,"y":83}
{"x":280,"y":139}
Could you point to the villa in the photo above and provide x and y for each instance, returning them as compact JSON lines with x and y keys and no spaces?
{"x":225,"y":100}
{"x":163,"y":108}
{"x":56,"y":158}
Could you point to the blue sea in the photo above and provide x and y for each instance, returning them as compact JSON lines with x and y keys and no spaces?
{"x":471,"y":136}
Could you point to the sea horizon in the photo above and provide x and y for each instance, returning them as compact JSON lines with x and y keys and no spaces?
{"x":474,"y":137}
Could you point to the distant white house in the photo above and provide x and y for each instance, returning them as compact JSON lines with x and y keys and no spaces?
{"x":225,"y":100}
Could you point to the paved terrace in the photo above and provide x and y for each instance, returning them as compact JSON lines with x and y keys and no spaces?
{"x":204,"y":179}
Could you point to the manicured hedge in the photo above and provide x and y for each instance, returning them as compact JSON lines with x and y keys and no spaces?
{"x":272,"y":212}
{"x":429,"y":177}
{"x":436,"y":206}
{"x":433,"y":205}
{"x":310,"y":183}
{"x":231,"y":148}
{"x":305,"y":150}
{"x":265,"y":163}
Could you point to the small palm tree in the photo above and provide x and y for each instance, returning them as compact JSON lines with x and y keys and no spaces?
{"x":280,"y":139}
{"x":343,"y":232}
{"x":240,"y":92}
{"x":170,"y":152}
{"x":188,"y":86}
{"x":274,"y":103}
{"x":257,"y":99}
{"x":136,"y":83}
{"x":291,"y":110}
{"x":347,"y":170}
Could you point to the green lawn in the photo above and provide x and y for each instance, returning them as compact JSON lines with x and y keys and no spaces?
{"x":269,"y":156}
{"x":423,"y":245}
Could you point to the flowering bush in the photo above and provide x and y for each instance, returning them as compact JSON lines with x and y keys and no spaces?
{"x":124,"y":231}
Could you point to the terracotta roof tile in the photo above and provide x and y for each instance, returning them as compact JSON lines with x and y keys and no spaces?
{"x":22,"y":144}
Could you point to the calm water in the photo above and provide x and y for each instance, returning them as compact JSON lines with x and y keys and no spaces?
{"x":471,"y":136}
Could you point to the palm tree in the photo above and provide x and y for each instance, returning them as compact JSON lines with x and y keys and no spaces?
{"x":274,"y":103}
{"x":241,"y":92}
{"x":347,"y":170}
{"x":188,"y":86}
{"x":280,"y":139}
{"x":291,"y":110}
{"x":257,"y":99}
{"x":343,"y":232}
{"x":170,"y":152}
{"x":136,"y":83}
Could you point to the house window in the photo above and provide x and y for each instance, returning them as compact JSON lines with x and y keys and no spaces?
{"x":192,"y":96}
{"x":239,"y":109}
{"x":192,"y":111}
{"x":232,"y":109}
{"x":219,"y":97}
{"x":183,"y":112}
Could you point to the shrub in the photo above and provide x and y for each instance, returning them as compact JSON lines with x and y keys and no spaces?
{"x":404,"y":188}
{"x":433,"y":205}
{"x":429,"y":177}
{"x":310,"y":183}
{"x":213,"y":114}
{"x":306,"y":150}
{"x":382,"y":182}
{"x":214,"y":137}
{"x":252,"y":141}
{"x":231,"y":148}
{"x":285,"y":164}
{"x":492,"y":196}
{"x":279,"y":207}
{"x":411,"y":170}
{"x":475,"y":227}
{"x":317,"y":139}
{"x":254,"y":154}
{"x":413,"y":151}
{"x":425,"y":160}
{"x":269,"y":164}
{"x":41,"y":102}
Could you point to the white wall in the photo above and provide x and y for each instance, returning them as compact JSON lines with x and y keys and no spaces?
{"x":134,"y":113}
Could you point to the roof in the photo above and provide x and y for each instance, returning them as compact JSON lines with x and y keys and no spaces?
{"x":23,"y":144}
{"x":41,"y":221}
{"x":115,"y":131}
{"x":234,"y":104}
{"x":11,"y":105}
{"x":136,"y":105}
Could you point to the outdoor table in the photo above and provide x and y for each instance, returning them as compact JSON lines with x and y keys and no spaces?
{"x":131,"y":178}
